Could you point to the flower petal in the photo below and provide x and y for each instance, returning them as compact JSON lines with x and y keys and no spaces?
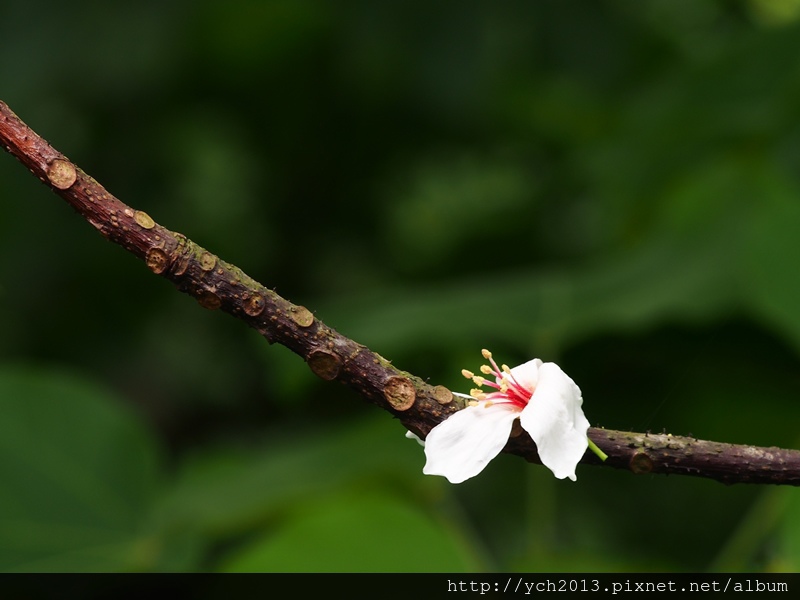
{"x":527,"y":374}
{"x":413,"y":436}
{"x":556,"y":422}
{"x":462,"y":445}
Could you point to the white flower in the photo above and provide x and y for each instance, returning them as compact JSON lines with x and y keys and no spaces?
{"x":545,"y":400}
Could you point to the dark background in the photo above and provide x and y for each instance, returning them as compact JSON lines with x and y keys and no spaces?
{"x":611,"y":185}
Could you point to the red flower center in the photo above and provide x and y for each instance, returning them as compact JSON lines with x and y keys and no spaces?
{"x":509,"y":390}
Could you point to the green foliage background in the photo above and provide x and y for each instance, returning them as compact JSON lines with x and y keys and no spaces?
{"x":612,"y":185}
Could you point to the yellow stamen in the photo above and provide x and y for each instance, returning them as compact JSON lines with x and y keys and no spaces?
{"x":472,"y":403}
{"x":488,"y":404}
{"x":477,"y":394}
{"x":486,"y":370}
{"x":486,"y":354}
{"x":478,"y":380}
{"x":467,"y":374}
{"x":505,"y":369}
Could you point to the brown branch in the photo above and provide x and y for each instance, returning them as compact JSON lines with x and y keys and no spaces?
{"x":216,"y":284}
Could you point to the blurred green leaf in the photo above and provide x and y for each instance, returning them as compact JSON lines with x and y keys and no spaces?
{"x":449,"y":197}
{"x":773,"y":258}
{"x":362,"y":530}
{"x":546,"y":310}
{"x":749,"y":543}
{"x":775,"y":12}
{"x":787,"y":558}
{"x":226,"y":490}
{"x":78,"y":473}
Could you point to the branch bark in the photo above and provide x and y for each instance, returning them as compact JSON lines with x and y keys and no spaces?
{"x":216,"y":284}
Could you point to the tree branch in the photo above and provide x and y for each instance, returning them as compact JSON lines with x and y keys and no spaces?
{"x":216,"y":284}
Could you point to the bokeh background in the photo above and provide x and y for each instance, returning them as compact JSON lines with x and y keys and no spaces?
{"x":612,"y":185}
